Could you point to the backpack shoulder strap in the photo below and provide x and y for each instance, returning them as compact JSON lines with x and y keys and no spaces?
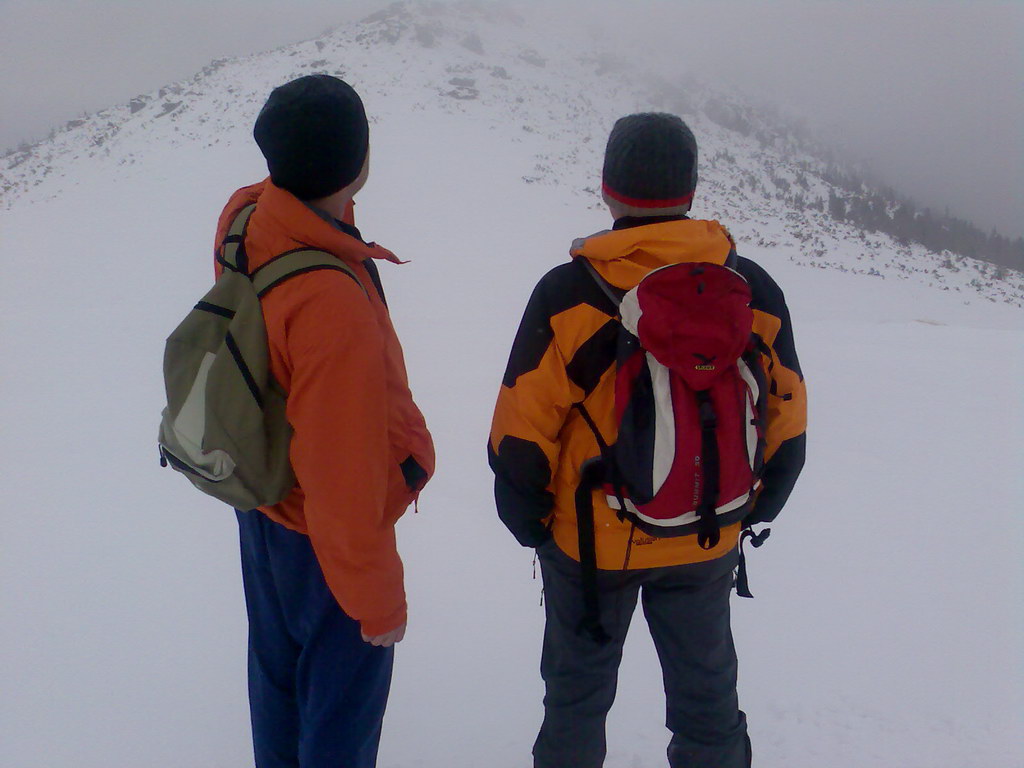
{"x":297,"y":262}
{"x":616,"y":299}
{"x":732,"y":261}
{"x":232,"y":251}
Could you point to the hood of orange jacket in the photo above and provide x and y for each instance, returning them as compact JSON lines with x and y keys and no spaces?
{"x":624,"y":256}
{"x":282,"y":221}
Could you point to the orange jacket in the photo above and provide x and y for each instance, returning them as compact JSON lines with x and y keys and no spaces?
{"x":334,"y":351}
{"x":564,"y":353}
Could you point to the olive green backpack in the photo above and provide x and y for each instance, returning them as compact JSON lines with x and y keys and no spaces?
{"x":224,"y":427}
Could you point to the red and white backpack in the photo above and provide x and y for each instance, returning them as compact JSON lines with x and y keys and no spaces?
{"x":689,"y":403}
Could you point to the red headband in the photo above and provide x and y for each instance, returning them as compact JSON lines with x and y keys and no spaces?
{"x":635,"y":202}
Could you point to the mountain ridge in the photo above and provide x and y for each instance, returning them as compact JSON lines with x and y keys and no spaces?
{"x":555,"y":92}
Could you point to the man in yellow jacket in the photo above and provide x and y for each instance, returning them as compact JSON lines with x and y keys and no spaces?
{"x":561,"y":374}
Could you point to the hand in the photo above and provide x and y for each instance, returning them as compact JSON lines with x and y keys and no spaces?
{"x":387,"y":639}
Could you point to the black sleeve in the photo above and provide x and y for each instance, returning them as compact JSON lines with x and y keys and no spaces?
{"x":521,"y":477}
{"x":788,"y":391}
{"x":780,"y":475}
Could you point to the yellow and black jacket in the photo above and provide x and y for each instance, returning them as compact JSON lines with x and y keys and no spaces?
{"x":564,"y":353}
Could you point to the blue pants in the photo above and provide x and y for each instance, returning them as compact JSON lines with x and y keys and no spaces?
{"x":317,"y":692}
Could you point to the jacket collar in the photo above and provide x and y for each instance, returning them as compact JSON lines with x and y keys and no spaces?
{"x":281,"y":211}
{"x":344,"y":226}
{"x":305,"y":225}
{"x":628,"y":222}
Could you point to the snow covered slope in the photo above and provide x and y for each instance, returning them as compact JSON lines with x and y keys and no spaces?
{"x":887,"y":626}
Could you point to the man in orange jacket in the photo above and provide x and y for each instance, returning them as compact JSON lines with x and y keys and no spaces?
{"x":322,"y":576}
{"x":559,"y":394}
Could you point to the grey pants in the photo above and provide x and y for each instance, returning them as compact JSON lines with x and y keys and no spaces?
{"x":687,"y":611}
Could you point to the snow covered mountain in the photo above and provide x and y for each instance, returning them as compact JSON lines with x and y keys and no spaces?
{"x":553,"y":97}
{"x":884,"y":632}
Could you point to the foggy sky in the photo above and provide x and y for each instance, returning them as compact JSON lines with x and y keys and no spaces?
{"x":930,"y":95}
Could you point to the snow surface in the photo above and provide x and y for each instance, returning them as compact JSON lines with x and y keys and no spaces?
{"x":887,"y":629}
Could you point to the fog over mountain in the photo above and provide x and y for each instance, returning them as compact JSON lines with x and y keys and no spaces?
{"x":926,"y":94}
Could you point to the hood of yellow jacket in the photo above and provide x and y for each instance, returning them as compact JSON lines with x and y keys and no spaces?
{"x":624,"y":256}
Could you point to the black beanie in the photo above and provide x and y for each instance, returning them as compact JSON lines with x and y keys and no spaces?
{"x":650,"y":162}
{"x":314,"y":134}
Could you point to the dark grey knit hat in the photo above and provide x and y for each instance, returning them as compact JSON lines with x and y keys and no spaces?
{"x":314,"y":135}
{"x":650,"y":162}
